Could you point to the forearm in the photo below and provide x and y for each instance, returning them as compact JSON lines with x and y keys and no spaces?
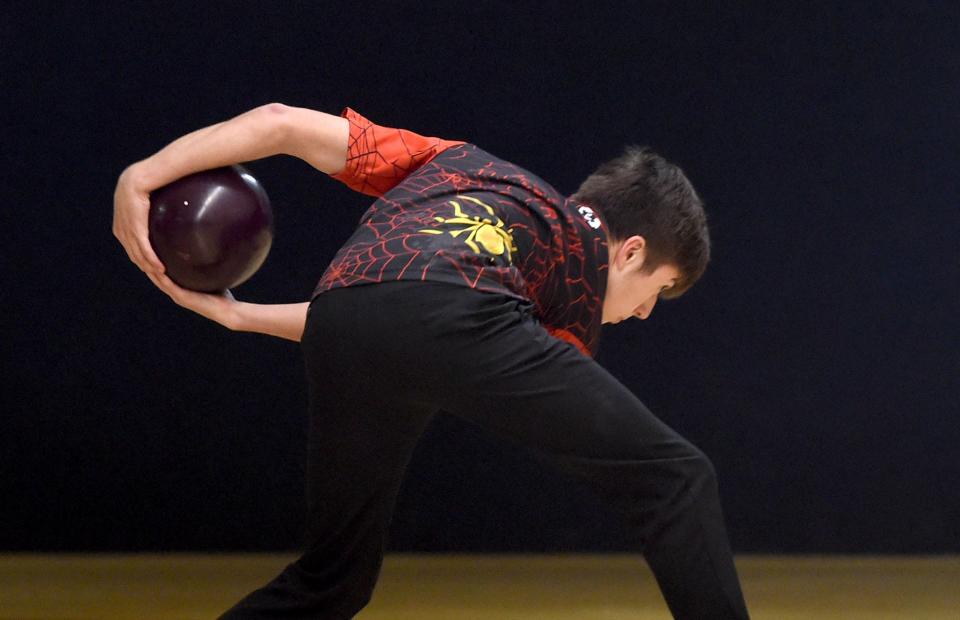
{"x":255,"y":134}
{"x":281,"y":320}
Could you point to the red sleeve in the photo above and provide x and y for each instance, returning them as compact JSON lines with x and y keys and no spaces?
{"x":378,"y":158}
{"x":566,"y":336}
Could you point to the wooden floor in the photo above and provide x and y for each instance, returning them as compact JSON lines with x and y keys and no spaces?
{"x":460,"y":587}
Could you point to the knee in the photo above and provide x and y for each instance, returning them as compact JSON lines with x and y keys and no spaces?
{"x":686,"y":473}
{"x":697,"y":469}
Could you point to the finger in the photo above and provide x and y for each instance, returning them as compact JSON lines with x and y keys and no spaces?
{"x":133,"y":252}
{"x":126,"y":248}
{"x":156,"y":281}
{"x":121,"y":231}
{"x":149,"y":256}
{"x":182,"y":296}
{"x":166,"y":282}
{"x":136,"y":255}
{"x":150,"y":261}
{"x":133,"y":229}
{"x":169,"y":286}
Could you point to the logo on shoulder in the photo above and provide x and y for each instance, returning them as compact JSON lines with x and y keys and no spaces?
{"x":592,"y":220}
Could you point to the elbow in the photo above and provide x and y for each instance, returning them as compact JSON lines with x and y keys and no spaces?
{"x":275,"y":109}
{"x":318,"y":138}
{"x":275,"y":121}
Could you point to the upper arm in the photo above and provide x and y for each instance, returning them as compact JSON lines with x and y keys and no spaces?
{"x":366,"y":157}
{"x":318,"y":138}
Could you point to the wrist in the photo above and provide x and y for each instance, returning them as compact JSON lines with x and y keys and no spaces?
{"x":142,"y":175}
{"x":150,"y":173}
{"x":237,"y":318}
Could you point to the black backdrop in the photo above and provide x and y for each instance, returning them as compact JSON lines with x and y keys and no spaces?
{"x":816,"y":363}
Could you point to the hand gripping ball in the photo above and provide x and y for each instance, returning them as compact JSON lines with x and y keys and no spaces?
{"x":212,"y":230}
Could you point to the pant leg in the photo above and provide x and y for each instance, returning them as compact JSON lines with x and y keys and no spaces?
{"x":364,"y":424}
{"x":425,"y":346}
{"x":492,"y":363}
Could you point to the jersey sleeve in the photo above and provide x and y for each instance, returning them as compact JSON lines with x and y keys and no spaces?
{"x":379,"y":158}
{"x":567,"y":336}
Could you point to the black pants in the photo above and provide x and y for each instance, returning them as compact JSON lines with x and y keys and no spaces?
{"x":382,"y":359}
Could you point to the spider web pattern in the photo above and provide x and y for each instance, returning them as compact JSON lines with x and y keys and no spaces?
{"x":380,"y":157}
{"x":560,"y":263}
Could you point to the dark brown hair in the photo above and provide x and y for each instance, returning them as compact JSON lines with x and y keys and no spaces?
{"x":641,"y":193}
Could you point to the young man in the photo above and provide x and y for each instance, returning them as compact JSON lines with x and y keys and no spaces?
{"x":473,"y":287}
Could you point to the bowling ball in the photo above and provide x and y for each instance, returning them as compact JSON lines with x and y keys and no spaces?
{"x":211,"y":230}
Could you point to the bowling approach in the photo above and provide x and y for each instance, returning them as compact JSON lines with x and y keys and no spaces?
{"x":213,"y":229}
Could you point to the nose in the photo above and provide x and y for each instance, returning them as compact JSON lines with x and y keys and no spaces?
{"x":643,"y":310}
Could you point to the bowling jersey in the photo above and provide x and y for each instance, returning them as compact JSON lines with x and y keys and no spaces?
{"x":448,"y":211}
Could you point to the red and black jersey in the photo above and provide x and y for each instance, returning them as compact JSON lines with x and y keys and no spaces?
{"x":448,"y":211}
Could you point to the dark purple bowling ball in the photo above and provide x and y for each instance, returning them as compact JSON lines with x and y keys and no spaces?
{"x":211,"y":230}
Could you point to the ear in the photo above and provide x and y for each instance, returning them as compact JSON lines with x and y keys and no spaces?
{"x":633,"y":252}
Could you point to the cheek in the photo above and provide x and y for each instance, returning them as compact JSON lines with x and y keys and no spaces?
{"x":614,"y":297}
{"x":619,"y":302}
{"x":638,"y":294}
{"x":644,"y":298}
{"x":622,"y":297}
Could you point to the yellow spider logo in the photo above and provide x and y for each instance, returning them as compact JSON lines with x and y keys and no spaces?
{"x":494,"y":238}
